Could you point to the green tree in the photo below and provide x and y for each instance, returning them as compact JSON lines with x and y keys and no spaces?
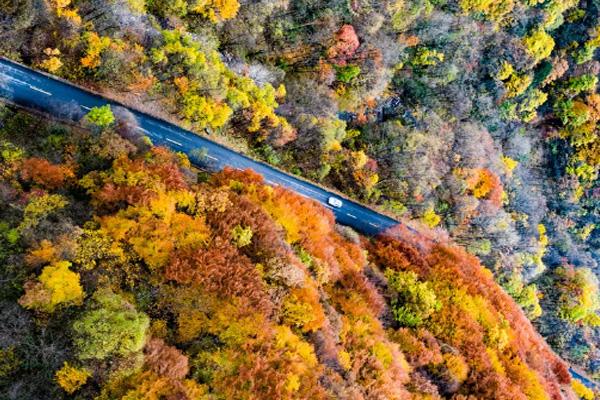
{"x":347,"y":73}
{"x":582,"y":83}
{"x":571,"y":113}
{"x":527,"y":296}
{"x":101,"y":116}
{"x":242,"y":236}
{"x":39,"y":208}
{"x":413,"y":301}
{"x":579,"y":299}
{"x":110,"y":326}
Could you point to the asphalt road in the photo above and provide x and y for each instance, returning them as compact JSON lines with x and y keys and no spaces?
{"x":30,"y":88}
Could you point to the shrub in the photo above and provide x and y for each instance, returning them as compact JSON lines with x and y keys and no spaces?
{"x":101,"y":116}
{"x":56,"y":285}
{"x":109,"y":327}
{"x":71,"y":378}
{"x":242,"y":236}
{"x":347,"y":73}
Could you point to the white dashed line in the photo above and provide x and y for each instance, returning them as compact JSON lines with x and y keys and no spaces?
{"x":40,"y":90}
{"x":18,"y":80}
{"x":288,"y":181}
{"x":37,"y":89}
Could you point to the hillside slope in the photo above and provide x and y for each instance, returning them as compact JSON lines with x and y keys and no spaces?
{"x":478,"y":117}
{"x":126,"y":274}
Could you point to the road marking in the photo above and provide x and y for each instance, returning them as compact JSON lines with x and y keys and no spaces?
{"x":40,"y":90}
{"x":139,"y":128}
{"x":18,"y":80}
{"x":37,"y":89}
{"x":190,"y":139}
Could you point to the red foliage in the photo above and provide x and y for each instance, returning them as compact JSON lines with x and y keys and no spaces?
{"x":345,"y":45}
{"x":448,"y":263}
{"x":165,"y":165}
{"x":267,"y":238}
{"x":354,"y":282}
{"x":465,"y":270}
{"x":264,"y":374}
{"x":397,"y":255}
{"x":165,"y":360}
{"x":247,"y":177}
{"x":315,"y":224}
{"x":220,"y":270}
{"x":41,"y":172}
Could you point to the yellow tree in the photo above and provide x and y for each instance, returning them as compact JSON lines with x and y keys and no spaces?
{"x":539,"y":44}
{"x":56,"y":285}
{"x":217,"y":10}
{"x":71,"y":378}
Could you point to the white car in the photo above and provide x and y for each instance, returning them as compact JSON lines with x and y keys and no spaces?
{"x":335,"y":202}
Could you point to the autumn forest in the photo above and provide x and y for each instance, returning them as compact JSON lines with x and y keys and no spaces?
{"x":129,"y":272}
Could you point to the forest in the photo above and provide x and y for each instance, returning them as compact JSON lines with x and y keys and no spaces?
{"x":474,"y":121}
{"x":128,"y":274}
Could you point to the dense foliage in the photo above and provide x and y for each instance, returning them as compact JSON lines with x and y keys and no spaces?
{"x":478,"y":117}
{"x":182,"y":285}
